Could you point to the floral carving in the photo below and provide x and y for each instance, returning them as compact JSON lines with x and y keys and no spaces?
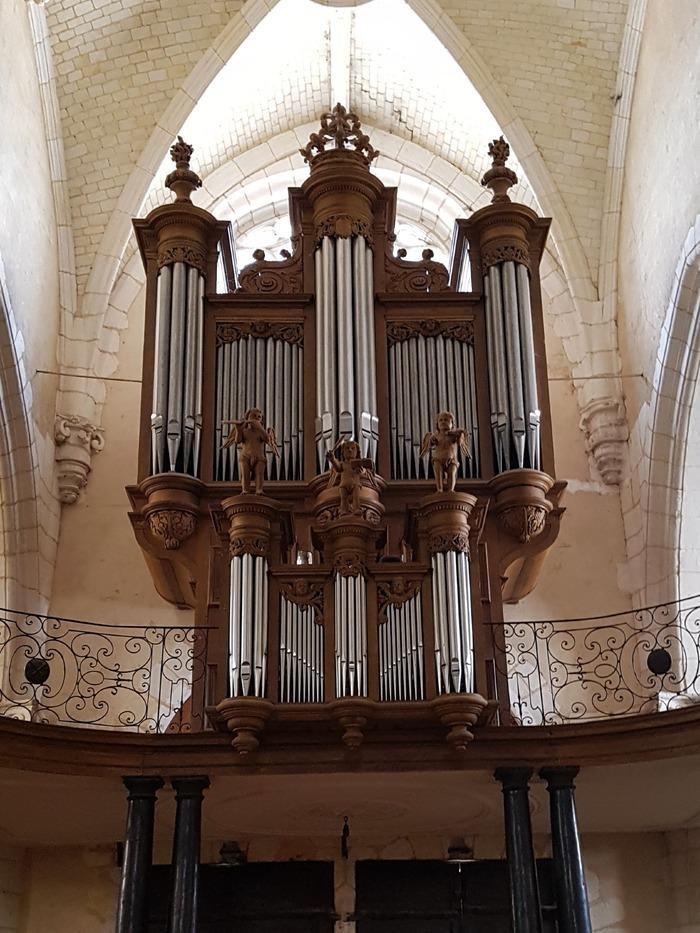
{"x":344,"y":226}
{"x":499,"y":177}
{"x":289,"y":331}
{"x":183,"y":253}
{"x":248,"y":545}
{"x":424,"y":275}
{"x":349,"y":564}
{"x":172,"y":526}
{"x":332,"y":512}
{"x":304,"y":592}
{"x":183,"y":181}
{"x":395,"y":592}
{"x":398,"y":331}
{"x":506,"y":252}
{"x":344,"y":130}
{"x":181,"y":153}
{"x":523,"y":522}
{"x":440,"y":543}
{"x":272,"y":277}
{"x":76,"y":442}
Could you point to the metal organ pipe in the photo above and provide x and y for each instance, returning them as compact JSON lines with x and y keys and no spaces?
{"x":401,"y":652}
{"x":351,"y":635}
{"x":248,"y":625}
{"x":346,"y":378}
{"x":515,"y":413}
{"x":453,"y":622}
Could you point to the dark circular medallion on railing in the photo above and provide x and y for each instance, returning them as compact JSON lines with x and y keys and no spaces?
{"x":659,"y":661}
{"x":37,"y":671}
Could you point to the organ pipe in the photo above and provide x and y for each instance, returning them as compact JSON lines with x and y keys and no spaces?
{"x":350,"y":635}
{"x":453,"y":622}
{"x":301,"y":677}
{"x":248,"y":615}
{"x":401,"y":652}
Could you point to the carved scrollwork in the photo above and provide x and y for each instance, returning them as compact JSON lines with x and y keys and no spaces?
{"x":344,"y":130}
{"x":523,"y":522}
{"x":248,"y":545}
{"x":344,"y":226}
{"x":305,"y":593}
{"x":349,"y":564}
{"x":505,"y":252}
{"x":289,"y":331}
{"x":172,"y":526}
{"x":440,"y":543}
{"x":424,"y":275}
{"x":273,"y":277}
{"x":395,"y":592}
{"x":332,"y":512}
{"x":398,"y":331}
{"x":190,"y":255}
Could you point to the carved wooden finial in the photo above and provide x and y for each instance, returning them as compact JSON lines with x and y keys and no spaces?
{"x":183,"y":181}
{"x":344,"y":130}
{"x":499,"y":177}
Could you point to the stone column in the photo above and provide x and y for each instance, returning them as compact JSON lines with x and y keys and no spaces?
{"x":572,"y":896}
{"x":524,"y":890}
{"x":132,"y":908}
{"x":183,"y":902}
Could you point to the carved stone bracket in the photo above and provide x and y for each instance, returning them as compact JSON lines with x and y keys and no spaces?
{"x":604,"y":423}
{"x":398,"y":331}
{"x":289,"y":331}
{"x":76,"y":442}
{"x":272,"y":277}
{"x":423,"y":275}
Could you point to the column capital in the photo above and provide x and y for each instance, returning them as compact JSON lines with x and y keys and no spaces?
{"x":190,"y":786}
{"x":513,"y":778}
{"x":560,"y":778}
{"x":142,"y":785}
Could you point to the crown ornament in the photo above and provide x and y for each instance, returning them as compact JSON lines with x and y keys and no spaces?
{"x":499,"y":177}
{"x":344,"y":130}
{"x":183,"y":181}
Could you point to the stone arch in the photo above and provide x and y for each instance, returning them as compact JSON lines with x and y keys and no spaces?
{"x":110,"y":252}
{"x":674,"y":400}
{"x":21,"y":585}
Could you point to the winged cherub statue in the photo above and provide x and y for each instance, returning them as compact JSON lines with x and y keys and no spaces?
{"x":443,"y":442}
{"x":251,"y":438}
{"x":347,"y":471}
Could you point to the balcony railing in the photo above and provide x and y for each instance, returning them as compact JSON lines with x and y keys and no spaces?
{"x":629,"y":663}
{"x":152,"y":679}
{"x":138,"y":678}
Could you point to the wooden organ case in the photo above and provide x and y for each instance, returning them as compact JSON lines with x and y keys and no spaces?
{"x":346,"y":462}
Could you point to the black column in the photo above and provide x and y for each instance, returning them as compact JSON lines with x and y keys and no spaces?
{"x":138,"y":853}
{"x":183,"y":904}
{"x":524,"y":890}
{"x":572,"y":896}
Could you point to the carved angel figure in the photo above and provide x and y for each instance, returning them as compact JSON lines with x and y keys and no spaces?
{"x":443,"y":442}
{"x":251,"y":438}
{"x":347,"y":471}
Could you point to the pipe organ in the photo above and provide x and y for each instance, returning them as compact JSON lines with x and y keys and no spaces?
{"x":346,"y":463}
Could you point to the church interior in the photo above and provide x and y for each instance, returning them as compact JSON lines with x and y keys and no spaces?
{"x":350,"y":466}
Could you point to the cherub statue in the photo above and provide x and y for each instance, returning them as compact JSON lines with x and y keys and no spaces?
{"x":249,"y":435}
{"x":443,"y":442}
{"x":348,"y":470}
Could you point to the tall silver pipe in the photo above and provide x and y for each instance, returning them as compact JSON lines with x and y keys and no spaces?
{"x":199,"y":365}
{"x":416,"y":432}
{"x":246,"y":619}
{"x":283,"y":649}
{"x":346,"y":375}
{"x":406,"y":394}
{"x":453,"y":620}
{"x":279,"y":406}
{"x":426,"y":415}
{"x":175,"y":374}
{"x":269,"y":394}
{"x":371,"y":355}
{"x":466,"y":620}
{"x":363,"y":430}
{"x":235,"y":622}
{"x":419,"y":635}
{"x":190,"y":368}
{"x":470,"y":379}
{"x":497,"y":370}
{"x":532,"y":407}
{"x":288,"y":395}
{"x":250,"y":371}
{"x":362,"y":587}
{"x":441,"y":624}
{"x":161,"y":369}
{"x":295,"y":411}
{"x":401,"y":427}
{"x":392,"y":407}
{"x":513,"y":364}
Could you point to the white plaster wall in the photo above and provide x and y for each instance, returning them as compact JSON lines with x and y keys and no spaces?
{"x":29,"y":271}
{"x":683,"y":878}
{"x":12,"y":882}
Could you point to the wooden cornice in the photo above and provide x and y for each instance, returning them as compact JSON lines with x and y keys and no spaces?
{"x":295,"y":741}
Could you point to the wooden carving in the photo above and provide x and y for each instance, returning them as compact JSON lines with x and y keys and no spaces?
{"x":347,"y":472}
{"x":344,"y":131}
{"x":289,"y":331}
{"x":251,"y":438}
{"x":424,"y":275}
{"x":273,"y":277}
{"x":395,"y":592}
{"x":304,"y":593}
{"x":172,"y":526}
{"x":445,"y":442}
{"x":398,"y":331}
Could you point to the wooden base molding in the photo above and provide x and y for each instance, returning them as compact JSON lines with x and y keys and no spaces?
{"x":245,"y":717}
{"x":460,"y":712}
{"x":353,"y":714}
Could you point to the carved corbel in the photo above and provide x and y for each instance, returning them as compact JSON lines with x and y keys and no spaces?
{"x":459,"y":712}
{"x":76,"y":442}
{"x":353,"y":715}
{"x":245,"y":718}
{"x":604,"y":423}
{"x":172,"y":526}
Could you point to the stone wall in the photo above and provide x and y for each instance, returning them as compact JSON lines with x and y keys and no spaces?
{"x":12,"y":880}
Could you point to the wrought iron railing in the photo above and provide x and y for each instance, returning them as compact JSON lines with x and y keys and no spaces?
{"x":642,"y":661}
{"x":139,"y":678}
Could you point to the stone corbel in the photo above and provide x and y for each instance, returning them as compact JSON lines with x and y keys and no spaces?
{"x":604,"y":422}
{"x":76,"y":442}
